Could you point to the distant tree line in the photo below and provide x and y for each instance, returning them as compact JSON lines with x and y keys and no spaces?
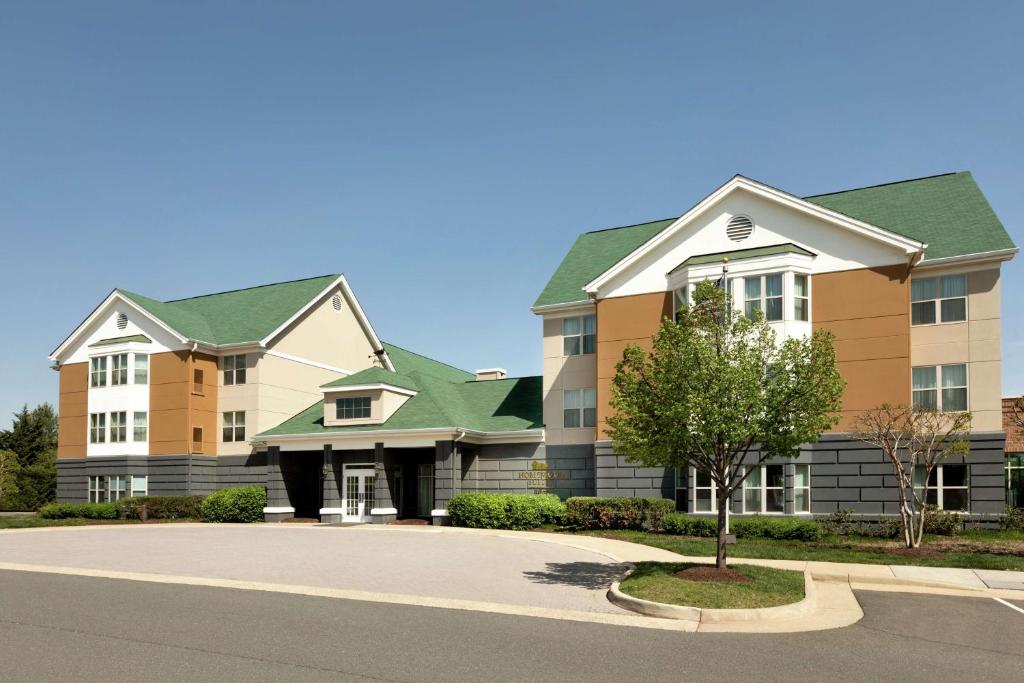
{"x":28,"y":459}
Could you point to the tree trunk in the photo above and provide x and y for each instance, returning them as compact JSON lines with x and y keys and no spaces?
{"x":723,"y":502}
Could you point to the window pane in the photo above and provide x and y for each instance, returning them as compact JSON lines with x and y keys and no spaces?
{"x":776,"y":501}
{"x":571,"y":346}
{"x":773,"y":309}
{"x":589,"y":417}
{"x":754,"y":480}
{"x":922,"y":290}
{"x":802,"y":476}
{"x":775,"y":476}
{"x":570,"y":326}
{"x":590,"y":343}
{"x":571,"y":399}
{"x":702,"y":478}
{"x":923,"y":378}
{"x":589,"y":398}
{"x":801,"y":500}
{"x":954,"y":399}
{"x":953,"y":310}
{"x":228,"y":434}
{"x":954,"y":285}
{"x":954,"y":499}
{"x":753,"y":287}
{"x":141,"y":368}
{"x":773,"y":285}
{"x":752,"y":500}
{"x":571,"y":418}
{"x":752,"y":307}
{"x":680,"y":299}
{"x":926,"y":400}
{"x":954,"y":375}
{"x":800,"y":309}
{"x":800,"y":285}
{"x":954,"y":475}
{"x":922,"y":313}
{"x":589,"y":324}
{"x":702,"y":503}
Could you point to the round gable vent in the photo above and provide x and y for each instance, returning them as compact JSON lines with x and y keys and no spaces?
{"x":739,"y":228}
{"x":122,"y":321}
{"x":336,"y":302}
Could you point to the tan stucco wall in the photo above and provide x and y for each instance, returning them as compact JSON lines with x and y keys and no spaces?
{"x":624,"y":321}
{"x":72,"y":409}
{"x":560,"y":373}
{"x":286,"y":387}
{"x":327,"y":336}
{"x":975,"y":342}
{"x":868,"y":311}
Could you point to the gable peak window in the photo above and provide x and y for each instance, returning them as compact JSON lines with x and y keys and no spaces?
{"x":938,"y":300}
{"x":234,"y":370}
{"x":579,"y":335}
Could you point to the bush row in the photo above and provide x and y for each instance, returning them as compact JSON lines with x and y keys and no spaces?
{"x":161,"y":507}
{"x":82,"y":510}
{"x":244,"y":504}
{"x":617,"y":513}
{"x":776,"y":528}
{"x":505,"y":510}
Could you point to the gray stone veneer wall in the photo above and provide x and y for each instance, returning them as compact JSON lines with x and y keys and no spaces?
{"x":509,"y":468}
{"x":168,"y":475}
{"x":614,"y":476}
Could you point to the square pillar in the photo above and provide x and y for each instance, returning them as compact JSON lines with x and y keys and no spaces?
{"x":444,"y":480}
{"x":331,"y":511}
{"x":279,"y":506}
{"x":383,"y":503}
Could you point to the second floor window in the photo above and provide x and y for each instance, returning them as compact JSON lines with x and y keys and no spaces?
{"x":801,"y":299}
{"x":97,"y":428}
{"x":98,"y":372}
{"x":938,"y":300}
{"x":118,"y":427}
{"x":763,"y":293}
{"x":140,"y":427}
{"x":940,"y":387}
{"x":141,"y":368}
{"x":352,"y":408}
{"x":579,"y":408}
{"x":234,"y":427}
{"x":119,"y":369}
{"x":579,"y":335}
{"x":234,"y":370}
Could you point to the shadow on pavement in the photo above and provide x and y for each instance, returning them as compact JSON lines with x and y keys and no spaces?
{"x":593,"y":575}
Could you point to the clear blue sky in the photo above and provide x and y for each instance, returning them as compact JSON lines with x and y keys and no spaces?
{"x":445,"y":155}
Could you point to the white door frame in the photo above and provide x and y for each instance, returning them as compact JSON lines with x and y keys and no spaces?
{"x":356,"y":512}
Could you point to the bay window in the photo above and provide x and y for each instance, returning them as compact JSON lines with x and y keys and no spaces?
{"x":141,"y":368}
{"x":118,"y":369}
{"x":98,"y":372}
{"x":680,"y":298}
{"x":763,"y":293}
{"x":801,"y":298}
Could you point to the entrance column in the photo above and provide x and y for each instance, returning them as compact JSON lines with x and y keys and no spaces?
{"x":383,"y":504}
{"x":279,"y":506}
{"x":332,"y":511}
{"x":444,"y":480}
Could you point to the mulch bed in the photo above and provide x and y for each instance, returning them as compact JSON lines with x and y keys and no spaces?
{"x":410,"y":522}
{"x":712,"y":574}
{"x":300,"y":520}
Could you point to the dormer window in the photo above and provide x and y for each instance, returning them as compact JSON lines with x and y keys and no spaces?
{"x":352,"y":408}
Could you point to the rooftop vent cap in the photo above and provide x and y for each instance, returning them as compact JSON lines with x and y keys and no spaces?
{"x":739,"y":228}
{"x":491,"y":373}
{"x":122,"y":321}
{"x":336,"y":302}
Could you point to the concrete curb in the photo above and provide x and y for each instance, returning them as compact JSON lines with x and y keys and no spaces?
{"x":716,"y":616}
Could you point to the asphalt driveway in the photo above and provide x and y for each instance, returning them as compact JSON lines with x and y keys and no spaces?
{"x":410,"y":561}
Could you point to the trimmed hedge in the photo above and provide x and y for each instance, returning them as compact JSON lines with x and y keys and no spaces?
{"x":777,"y":528}
{"x":241,"y":504}
{"x":682,"y":524}
{"x":79,"y":510}
{"x":942,"y":522}
{"x":505,"y":510}
{"x":162,"y":507}
{"x":585,"y":512}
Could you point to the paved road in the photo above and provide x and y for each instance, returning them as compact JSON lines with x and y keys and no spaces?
{"x":85,"y":629}
{"x":422,"y":562}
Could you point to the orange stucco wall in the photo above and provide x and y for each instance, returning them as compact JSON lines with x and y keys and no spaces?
{"x":72,"y":407}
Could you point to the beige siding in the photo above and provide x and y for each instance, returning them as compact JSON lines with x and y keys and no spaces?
{"x":975,"y":342}
{"x":561,"y":372}
{"x":328,"y":336}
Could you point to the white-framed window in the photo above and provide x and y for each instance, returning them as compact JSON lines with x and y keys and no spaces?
{"x":97,"y":427}
{"x":938,"y":300}
{"x":763,"y":293}
{"x":1015,"y":480}
{"x":764,"y":490}
{"x":801,"y":297}
{"x":107,"y":489}
{"x":140,"y":426}
{"x":234,"y":370}
{"x":234,"y":426}
{"x":97,"y":490}
{"x":118,"y":369}
{"x":579,"y":335}
{"x":705,"y":493}
{"x":118,"y":427}
{"x":579,"y":408}
{"x":680,"y":298}
{"x":352,"y":408}
{"x":141,"y":369}
{"x":949,"y":487}
{"x":802,"y":488}
{"x":940,"y":387}
{"x":117,"y":487}
{"x":138,"y":485}
{"x":98,"y":372}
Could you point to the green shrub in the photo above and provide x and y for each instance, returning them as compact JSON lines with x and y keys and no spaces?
{"x":886,"y":527}
{"x":777,"y":528}
{"x":242,"y":504}
{"x":79,"y":510}
{"x":1012,"y":519}
{"x":162,"y":507}
{"x":505,"y":510}
{"x":685,"y":525}
{"x":941,"y":522}
{"x":617,"y":513}
{"x":841,"y":523}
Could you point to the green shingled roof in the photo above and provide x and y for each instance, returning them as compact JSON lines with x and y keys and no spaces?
{"x":739,"y":254}
{"x":236,"y":317}
{"x":947,"y":212}
{"x":501,"y":405}
{"x":374,"y":376}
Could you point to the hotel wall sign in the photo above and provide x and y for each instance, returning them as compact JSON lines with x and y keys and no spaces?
{"x":539,"y":476}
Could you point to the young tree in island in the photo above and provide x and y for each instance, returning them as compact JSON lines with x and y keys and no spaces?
{"x":718,"y":392}
{"x":914,"y":442}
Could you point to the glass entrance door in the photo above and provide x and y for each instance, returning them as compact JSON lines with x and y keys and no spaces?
{"x":359,"y":482}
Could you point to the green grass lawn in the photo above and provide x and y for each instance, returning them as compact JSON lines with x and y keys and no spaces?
{"x":768,"y":587}
{"x":980,"y":549}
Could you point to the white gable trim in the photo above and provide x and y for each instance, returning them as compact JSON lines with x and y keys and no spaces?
{"x":115,"y":295}
{"x":356,"y":308}
{"x":349,"y":388}
{"x":907,"y":245}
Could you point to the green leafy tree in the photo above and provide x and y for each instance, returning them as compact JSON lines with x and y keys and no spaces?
{"x":9,"y":470}
{"x":33,"y":438}
{"x":717,"y":391}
